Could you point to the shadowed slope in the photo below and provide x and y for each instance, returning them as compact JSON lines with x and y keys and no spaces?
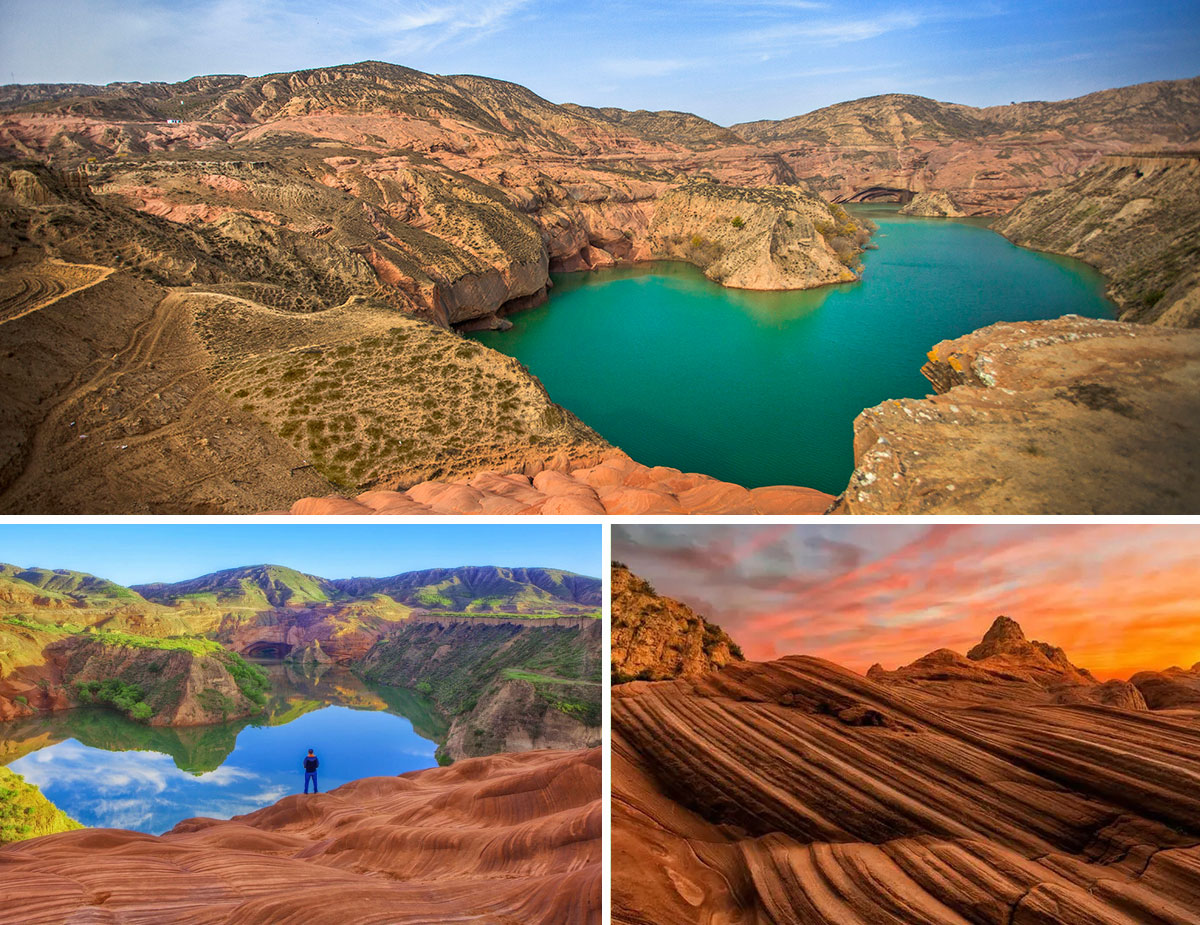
{"x":798,"y":791}
{"x":506,"y":838}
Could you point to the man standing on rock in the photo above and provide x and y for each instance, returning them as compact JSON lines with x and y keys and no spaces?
{"x":310,"y":771}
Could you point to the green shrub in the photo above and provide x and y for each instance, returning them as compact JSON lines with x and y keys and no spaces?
{"x":736,"y":221}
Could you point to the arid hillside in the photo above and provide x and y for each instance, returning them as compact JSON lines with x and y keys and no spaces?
{"x":987,"y":160}
{"x":244,"y":292}
{"x":1137,"y":219}
{"x":505,"y":839}
{"x":958,"y":789}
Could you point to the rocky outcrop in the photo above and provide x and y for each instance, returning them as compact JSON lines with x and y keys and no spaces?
{"x":504,"y":838}
{"x":175,"y":687}
{"x":1071,"y":416}
{"x":505,"y":683}
{"x":798,"y":791}
{"x":770,"y":237}
{"x":932,"y":204}
{"x":1137,"y":219}
{"x":614,"y":484}
{"x":656,"y":637}
{"x":1173,"y":689}
{"x":1008,"y":667}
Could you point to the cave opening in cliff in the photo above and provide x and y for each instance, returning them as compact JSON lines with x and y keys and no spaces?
{"x":879,"y":194}
{"x":267,"y":650}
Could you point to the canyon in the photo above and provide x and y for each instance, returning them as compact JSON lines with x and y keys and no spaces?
{"x":510,"y":657}
{"x":1004,"y":786}
{"x":502,"y":838}
{"x":258,"y":303}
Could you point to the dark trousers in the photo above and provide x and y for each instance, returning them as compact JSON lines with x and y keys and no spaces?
{"x":310,"y":776}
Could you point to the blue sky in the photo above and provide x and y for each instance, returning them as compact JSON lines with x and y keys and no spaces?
{"x":140,"y":553}
{"x":728,"y":60}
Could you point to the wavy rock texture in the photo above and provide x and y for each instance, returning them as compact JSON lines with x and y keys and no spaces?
{"x":799,"y":792}
{"x":1071,"y":416}
{"x":1136,"y":218}
{"x":614,"y":484}
{"x":656,"y":637}
{"x":510,"y":838}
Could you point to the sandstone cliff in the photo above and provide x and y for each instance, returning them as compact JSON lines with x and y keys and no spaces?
{"x":506,"y":838}
{"x":507,"y":684}
{"x":657,"y":637}
{"x":1067,"y":416}
{"x":1137,"y":219}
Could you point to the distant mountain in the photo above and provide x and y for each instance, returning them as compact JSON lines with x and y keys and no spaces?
{"x":251,"y":586}
{"x":1162,"y":107}
{"x":470,"y":589}
{"x":62,"y":585}
{"x":655,"y":637}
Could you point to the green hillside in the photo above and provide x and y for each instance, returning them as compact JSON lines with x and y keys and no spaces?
{"x":25,"y":813}
{"x":256,"y":587}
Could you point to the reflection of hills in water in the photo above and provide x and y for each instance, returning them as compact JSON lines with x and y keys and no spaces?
{"x":199,"y":749}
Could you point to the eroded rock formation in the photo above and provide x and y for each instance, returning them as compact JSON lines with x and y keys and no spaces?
{"x":1071,"y":416}
{"x":797,"y":791}
{"x":504,"y":838}
{"x":1006,"y":666}
{"x":613,"y":484}
{"x":656,"y":637}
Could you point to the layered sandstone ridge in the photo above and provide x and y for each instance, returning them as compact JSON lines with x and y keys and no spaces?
{"x":797,"y":791}
{"x":1135,"y":218}
{"x":504,"y":838}
{"x":1070,"y":416}
{"x":614,"y":485}
{"x":656,"y":637}
{"x":1008,"y":667}
{"x":895,"y":146}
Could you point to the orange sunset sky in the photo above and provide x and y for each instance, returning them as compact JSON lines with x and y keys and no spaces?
{"x":1118,"y":598}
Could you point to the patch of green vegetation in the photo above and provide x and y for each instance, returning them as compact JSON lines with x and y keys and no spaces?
{"x":26,"y":813}
{"x":41,"y":627}
{"x":130,"y":699}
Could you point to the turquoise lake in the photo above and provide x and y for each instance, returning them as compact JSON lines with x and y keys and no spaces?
{"x":762,"y":388}
{"x":105,"y":770}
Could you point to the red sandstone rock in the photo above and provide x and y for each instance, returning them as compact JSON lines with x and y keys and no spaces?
{"x":330,"y":505}
{"x":508,"y":838}
{"x":790,"y":499}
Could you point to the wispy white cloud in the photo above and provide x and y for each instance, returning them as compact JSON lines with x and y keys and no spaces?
{"x":644,"y":67}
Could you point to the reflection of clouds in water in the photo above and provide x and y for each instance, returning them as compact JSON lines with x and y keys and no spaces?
{"x":146,"y":791}
{"x":70,"y":764}
{"x":123,"y":814}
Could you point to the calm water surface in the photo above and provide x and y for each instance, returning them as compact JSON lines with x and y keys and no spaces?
{"x":762,"y":388}
{"x":105,"y":770}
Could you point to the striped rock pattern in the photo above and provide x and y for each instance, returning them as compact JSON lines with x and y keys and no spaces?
{"x":507,"y":838}
{"x":798,"y":791}
{"x":618,"y":485}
